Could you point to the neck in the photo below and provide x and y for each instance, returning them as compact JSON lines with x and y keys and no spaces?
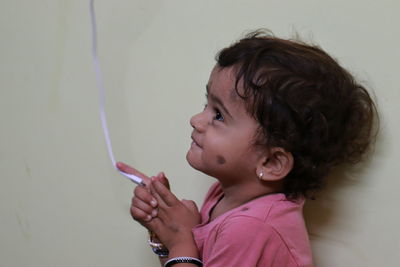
{"x":239,"y":194}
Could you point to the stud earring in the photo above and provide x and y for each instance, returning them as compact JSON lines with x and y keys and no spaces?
{"x":260,"y":175}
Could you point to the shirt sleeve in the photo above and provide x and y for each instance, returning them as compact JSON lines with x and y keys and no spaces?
{"x":244,"y":241}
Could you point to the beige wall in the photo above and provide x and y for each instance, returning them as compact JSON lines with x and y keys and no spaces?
{"x":62,"y":204}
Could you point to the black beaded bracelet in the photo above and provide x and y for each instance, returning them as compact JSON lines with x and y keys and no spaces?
{"x":176,"y":260}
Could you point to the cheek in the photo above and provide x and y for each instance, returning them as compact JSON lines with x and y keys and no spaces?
{"x":221,"y":160}
{"x":219,"y":148}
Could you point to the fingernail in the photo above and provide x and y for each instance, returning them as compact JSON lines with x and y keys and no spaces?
{"x":153,"y":203}
{"x":154,"y":213}
{"x":148,"y":218}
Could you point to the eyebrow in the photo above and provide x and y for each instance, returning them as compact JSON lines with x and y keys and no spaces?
{"x":217,"y":100}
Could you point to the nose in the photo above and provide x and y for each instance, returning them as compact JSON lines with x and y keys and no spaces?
{"x":198,"y":122}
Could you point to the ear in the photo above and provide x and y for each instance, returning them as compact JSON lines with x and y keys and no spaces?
{"x":274,"y":165}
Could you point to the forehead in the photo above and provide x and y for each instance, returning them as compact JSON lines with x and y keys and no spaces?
{"x":222,"y":82}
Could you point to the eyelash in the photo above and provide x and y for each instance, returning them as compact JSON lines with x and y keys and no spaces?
{"x":218,"y":115}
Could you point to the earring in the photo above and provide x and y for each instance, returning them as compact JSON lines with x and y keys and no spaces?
{"x":260,"y":175}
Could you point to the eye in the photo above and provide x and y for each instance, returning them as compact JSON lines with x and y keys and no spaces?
{"x":218,"y":116}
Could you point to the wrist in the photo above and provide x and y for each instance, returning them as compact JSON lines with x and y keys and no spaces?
{"x":184,"y":250}
{"x":184,"y":261}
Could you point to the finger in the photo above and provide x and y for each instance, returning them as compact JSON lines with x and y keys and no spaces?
{"x":143,"y":206}
{"x":163,"y":194}
{"x":163,"y":179}
{"x":156,"y":196}
{"x":140,"y":215}
{"x":144,"y":195}
{"x":130,"y":170}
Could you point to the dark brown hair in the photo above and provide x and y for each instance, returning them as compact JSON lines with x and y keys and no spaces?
{"x":305,"y":103}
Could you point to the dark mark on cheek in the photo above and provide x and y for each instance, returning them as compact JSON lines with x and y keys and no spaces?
{"x":220,"y":159}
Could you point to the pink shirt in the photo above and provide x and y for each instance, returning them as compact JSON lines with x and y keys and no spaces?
{"x":268,"y":231}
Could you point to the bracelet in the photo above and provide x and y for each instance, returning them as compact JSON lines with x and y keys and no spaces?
{"x":158,"y":248}
{"x":160,"y":252}
{"x":176,"y":260}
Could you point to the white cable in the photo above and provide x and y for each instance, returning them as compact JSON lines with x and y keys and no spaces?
{"x":100,"y":85}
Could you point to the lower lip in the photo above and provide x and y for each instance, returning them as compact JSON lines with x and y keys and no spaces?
{"x":194,"y":144}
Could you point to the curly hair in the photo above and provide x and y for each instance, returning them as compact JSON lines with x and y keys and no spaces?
{"x":305,"y":103}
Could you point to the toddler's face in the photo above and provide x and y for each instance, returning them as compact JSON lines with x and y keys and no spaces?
{"x":223,"y":133}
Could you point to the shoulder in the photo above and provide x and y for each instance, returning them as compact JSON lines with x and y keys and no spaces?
{"x":273,"y":224}
{"x":248,"y":241}
{"x":268,"y":231}
{"x":238,"y":228}
{"x":261,"y":216}
{"x":271,"y":209}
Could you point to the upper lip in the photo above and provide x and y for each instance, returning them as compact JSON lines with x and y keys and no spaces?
{"x":195,"y":140}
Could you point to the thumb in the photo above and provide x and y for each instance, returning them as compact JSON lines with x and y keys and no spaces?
{"x":163,"y":179}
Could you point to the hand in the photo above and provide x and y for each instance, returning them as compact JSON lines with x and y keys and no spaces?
{"x":143,"y":206}
{"x":175,"y":219}
{"x":156,"y":208}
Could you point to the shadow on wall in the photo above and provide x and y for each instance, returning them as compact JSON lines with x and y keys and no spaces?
{"x":331,"y":202}
{"x":323,"y":213}
{"x":333,"y":219}
{"x":319,"y":213}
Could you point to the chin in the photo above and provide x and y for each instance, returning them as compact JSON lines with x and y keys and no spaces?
{"x":201,"y":167}
{"x":191,"y":161}
{"x":195,"y":162}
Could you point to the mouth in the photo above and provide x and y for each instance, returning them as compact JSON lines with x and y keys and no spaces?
{"x":194,"y":142}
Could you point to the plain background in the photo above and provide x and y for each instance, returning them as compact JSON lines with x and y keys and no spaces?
{"x":62,"y":203}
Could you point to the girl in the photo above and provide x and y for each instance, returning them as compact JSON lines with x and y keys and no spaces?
{"x":279,"y":115}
